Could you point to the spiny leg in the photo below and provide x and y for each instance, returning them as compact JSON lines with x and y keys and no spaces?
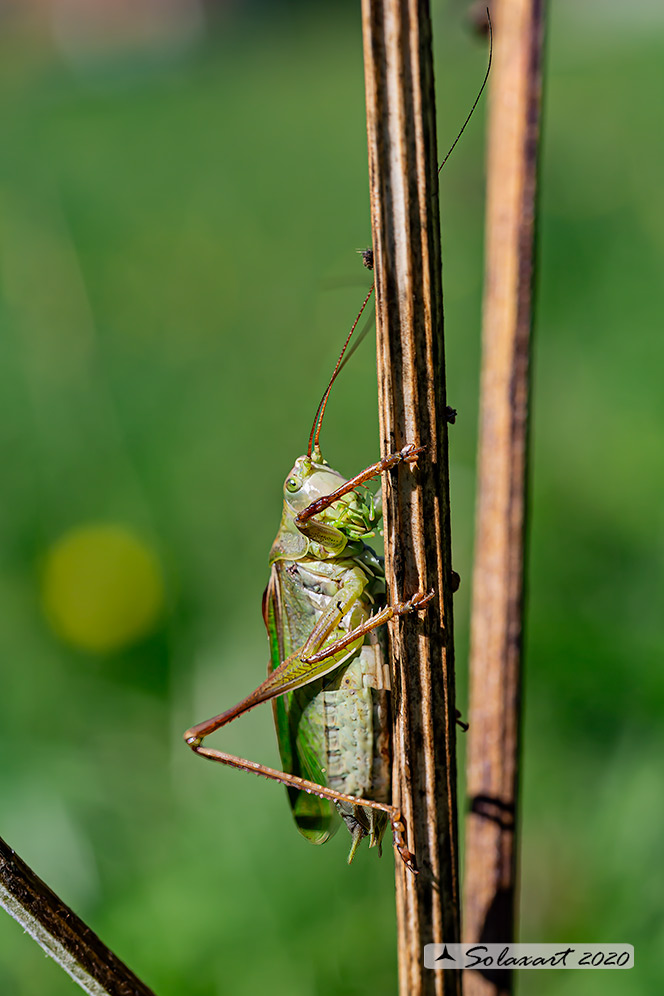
{"x":418,"y":601}
{"x":298,"y":670}
{"x":295,"y":671}
{"x":408,"y":454}
{"x":195,"y":735}
{"x":395,"y":817}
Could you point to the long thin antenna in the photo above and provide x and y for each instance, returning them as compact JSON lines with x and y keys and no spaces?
{"x":367,"y":257}
{"x":477,"y":99}
{"x":360,"y":336}
{"x":320,"y":411}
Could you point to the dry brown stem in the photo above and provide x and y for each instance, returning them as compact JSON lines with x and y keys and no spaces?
{"x":61,"y":933}
{"x":490,"y":889}
{"x":411,"y":373}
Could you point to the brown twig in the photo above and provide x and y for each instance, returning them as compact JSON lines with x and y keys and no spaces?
{"x":409,"y":319}
{"x":61,"y":933}
{"x":497,"y":612}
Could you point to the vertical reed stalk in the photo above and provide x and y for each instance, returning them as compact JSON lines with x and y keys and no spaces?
{"x":490,"y":891}
{"x":411,"y":373}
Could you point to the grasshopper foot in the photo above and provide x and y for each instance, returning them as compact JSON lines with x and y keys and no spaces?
{"x":399,"y":834}
{"x":410,"y":452}
{"x":419,"y":600}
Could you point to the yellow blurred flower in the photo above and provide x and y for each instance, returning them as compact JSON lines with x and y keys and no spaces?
{"x":102,"y":587}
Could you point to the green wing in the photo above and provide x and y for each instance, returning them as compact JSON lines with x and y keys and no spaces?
{"x":299,"y":716}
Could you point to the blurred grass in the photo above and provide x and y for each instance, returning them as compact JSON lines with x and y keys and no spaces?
{"x":178,"y":273}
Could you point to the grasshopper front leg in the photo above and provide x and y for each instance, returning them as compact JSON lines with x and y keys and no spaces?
{"x":408,"y":454}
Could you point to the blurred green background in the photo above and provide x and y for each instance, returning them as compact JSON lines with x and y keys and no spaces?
{"x":183,"y":190}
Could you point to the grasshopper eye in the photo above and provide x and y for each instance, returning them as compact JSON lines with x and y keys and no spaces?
{"x":292,"y":484}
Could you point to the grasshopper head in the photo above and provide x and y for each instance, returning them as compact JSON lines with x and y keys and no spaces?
{"x":354,"y":516}
{"x":310,"y":479}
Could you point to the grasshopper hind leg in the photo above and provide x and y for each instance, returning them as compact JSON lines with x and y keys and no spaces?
{"x":281,"y":680}
{"x":389,"y":813}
